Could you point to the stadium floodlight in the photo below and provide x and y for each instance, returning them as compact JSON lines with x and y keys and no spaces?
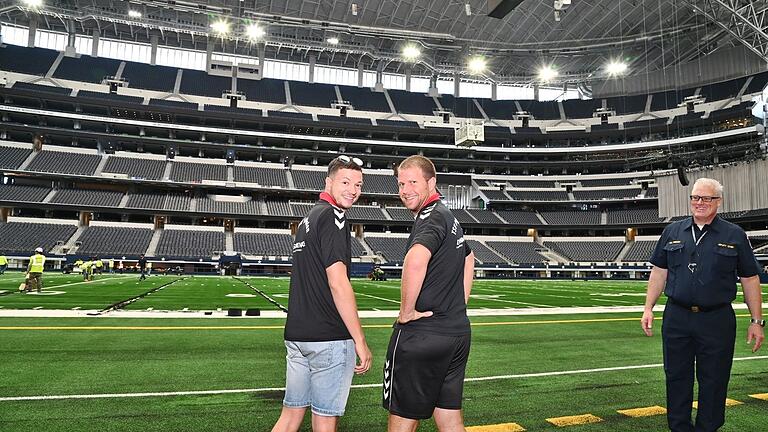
{"x":221,"y":27}
{"x":254,"y":32}
{"x":411,"y":52}
{"x":134,"y":14}
{"x":616,"y":67}
{"x":547,"y":73}
{"x":477,"y":65}
{"x":33,"y":3}
{"x":333,"y":40}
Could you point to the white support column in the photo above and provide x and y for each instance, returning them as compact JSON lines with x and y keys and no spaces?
{"x":408,"y":73}
{"x":153,"y":41}
{"x":494,"y":91}
{"x":95,"y":47}
{"x":456,"y":84}
{"x":312,"y":61}
{"x":360,"y":72}
{"x":32,"y":32}
{"x":380,"y":76}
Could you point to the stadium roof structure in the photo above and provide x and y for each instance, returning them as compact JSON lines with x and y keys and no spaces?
{"x":580,"y":37}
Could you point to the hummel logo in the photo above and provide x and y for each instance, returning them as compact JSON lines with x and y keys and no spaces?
{"x":339,"y":213}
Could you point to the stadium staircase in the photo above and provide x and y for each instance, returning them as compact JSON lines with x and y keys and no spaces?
{"x":624,"y":251}
{"x":152,"y":248}
{"x":549,"y":254}
{"x":102,"y":164}
{"x":289,"y":176}
{"x":230,"y":175}
{"x":70,"y":247}
{"x":193,"y":205}
{"x":27,"y":161}
{"x":368,"y":250}
{"x":124,"y":201}
{"x":229,"y":243}
{"x":50,"y":195}
{"x":167,"y":172}
{"x":604,"y":218}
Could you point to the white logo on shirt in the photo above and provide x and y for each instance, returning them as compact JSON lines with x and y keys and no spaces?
{"x":305,"y":222}
{"x":455,"y":227}
{"x":459,"y":242}
{"x":339,"y":221}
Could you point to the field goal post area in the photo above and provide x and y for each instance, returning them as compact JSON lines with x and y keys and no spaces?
{"x":469,"y":134}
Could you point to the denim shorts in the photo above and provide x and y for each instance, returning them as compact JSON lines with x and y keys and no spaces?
{"x":319,"y":375}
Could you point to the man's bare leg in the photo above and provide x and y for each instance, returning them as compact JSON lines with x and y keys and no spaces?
{"x":449,"y":420}
{"x":401,"y":424}
{"x":290,"y":420}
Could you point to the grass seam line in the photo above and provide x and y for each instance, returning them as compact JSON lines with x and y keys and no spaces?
{"x":123,"y":303}
{"x":263,"y":294}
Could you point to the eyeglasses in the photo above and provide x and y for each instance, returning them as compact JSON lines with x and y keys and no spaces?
{"x":706,"y":199}
{"x":346,"y":159}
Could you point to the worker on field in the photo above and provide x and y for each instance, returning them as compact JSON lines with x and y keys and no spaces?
{"x":142,"y":267}
{"x":696,"y":263}
{"x":111,"y":265}
{"x":98,"y":265}
{"x":3,"y":264}
{"x":35,"y":271}
{"x":87,"y":269}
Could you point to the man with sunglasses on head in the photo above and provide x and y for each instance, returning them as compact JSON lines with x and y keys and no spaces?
{"x":323,"y":335}
{"x":429,"y":347}
{"x":696,"y":263}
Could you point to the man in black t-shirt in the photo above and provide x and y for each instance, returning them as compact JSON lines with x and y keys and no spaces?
{"x":429,"y":347}
{"x":142,"y":267}
{"x":323,"y":334}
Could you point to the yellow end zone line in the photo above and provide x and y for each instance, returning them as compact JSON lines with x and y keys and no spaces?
{"x":279,"y":327}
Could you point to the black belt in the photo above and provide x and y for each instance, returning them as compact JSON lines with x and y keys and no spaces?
{"x":696,"y":308}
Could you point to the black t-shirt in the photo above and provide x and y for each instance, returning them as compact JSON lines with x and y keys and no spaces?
{"x":142,"y":263}
{"x":322,"y":239}
{"x":443,"y":289}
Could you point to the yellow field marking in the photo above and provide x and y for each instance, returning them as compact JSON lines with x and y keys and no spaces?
{"x":728,"y":403}
{"x":643,"y":412}
{"x":574,"y":420}
{"x":502,"y":427}
{"x":761,"y":396}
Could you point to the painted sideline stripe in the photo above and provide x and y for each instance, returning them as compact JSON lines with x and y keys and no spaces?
{"x":501,"y":427}
{"x":276,"y":327}
{"x":574,"y":420}
{"x":358,"y":386}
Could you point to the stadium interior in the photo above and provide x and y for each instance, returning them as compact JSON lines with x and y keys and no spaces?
{"x":565,"y":134}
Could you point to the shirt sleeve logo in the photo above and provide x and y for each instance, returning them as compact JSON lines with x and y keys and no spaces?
{"x":426,"y":212}
{"x":339,"y":219}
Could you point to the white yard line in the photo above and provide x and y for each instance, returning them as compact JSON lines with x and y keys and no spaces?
{"x":378,"y":298}
{"x":357,"y":386}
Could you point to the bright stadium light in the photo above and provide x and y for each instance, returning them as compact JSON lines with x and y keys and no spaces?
{"x":134,"y":14}
{"x":333,"y":40}
{"x":547,"y":73}
{"x":254,"y":32}
{"x":477,"y":65}
{"x":220,"y":27}
{"x":34,"y":3}
{"x":411,"y":52}
{"x":616,"y":67}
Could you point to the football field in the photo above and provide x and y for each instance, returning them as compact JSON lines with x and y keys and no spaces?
{"x":200,"y":374}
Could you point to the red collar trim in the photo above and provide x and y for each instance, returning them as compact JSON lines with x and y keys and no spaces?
{"x":325,"y":196}
{"x":430,"y":200}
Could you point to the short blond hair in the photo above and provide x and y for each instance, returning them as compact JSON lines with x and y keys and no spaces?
{"x":416,"y":161}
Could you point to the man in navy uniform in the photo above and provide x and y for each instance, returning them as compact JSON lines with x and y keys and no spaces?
{"x":323,"y":334}
{"x":696,"y":263}
{"x":429,"y":347}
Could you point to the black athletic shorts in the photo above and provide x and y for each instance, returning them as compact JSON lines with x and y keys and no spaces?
{"x":424,"y":371}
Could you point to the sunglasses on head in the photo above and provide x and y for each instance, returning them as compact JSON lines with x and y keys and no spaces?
{"x":346,"y":159}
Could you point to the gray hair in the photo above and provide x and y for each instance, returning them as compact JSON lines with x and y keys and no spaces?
{"x":714,"y":184}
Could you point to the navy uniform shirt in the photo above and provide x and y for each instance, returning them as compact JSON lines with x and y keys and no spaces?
{"x":442,"y":291}
{"x":704,"y":274}
{"x":322,"y":239}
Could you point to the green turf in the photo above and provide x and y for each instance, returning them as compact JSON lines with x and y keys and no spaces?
{"x":212,"y":354}
{"x":113,"y":355}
